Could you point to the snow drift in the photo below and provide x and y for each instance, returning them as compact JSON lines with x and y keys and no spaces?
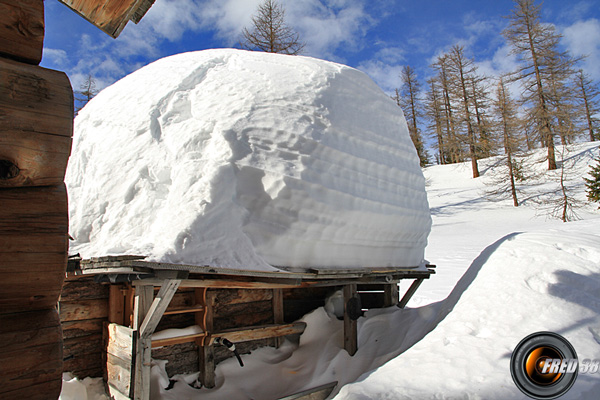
{"x":247,"y":160}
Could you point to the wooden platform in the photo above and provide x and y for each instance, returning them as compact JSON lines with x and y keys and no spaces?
{"x":242,"y":306}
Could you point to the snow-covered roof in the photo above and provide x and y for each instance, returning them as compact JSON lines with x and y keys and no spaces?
{"x":248,"y":160}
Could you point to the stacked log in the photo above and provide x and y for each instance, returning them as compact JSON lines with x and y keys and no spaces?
{"x":36,"y":120}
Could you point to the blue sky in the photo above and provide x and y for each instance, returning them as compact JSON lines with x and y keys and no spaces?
{"x":376,"y":36}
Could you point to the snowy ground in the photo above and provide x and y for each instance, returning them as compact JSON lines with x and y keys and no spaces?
{"x":503,"y":273}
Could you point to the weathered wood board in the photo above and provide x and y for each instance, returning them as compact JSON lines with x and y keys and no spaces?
{"x":36,"y":125}
{"x":22,"y":30}
{"x":33,"y":247}
{"x":109,"y":15}
{"x":30,"y":355}
{"x":120,"y":358}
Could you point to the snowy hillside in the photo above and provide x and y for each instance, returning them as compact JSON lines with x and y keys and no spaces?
{"x":503,"y":273}
{"x":247,"y":160}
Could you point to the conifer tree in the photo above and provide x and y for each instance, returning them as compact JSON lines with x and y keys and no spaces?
{"x":270,"y":33}
{"x":593,"y":183}
{"x":87,"y":92}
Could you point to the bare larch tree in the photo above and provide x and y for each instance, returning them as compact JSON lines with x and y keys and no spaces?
{"x":537,"y":45}
{"x":269,"y":31}
{"x":409,"y":101}
{"x":588,"y":97}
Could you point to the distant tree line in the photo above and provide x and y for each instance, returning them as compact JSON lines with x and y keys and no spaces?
{"x":470,"y":116}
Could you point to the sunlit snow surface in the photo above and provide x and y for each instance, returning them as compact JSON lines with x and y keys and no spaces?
{"x":247,"y":160}
{"x":503,"y":273}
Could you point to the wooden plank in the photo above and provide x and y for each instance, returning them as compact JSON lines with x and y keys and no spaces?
{"x":36,"y":159}
{"x":225,"y":284}
{"x":109,"y":15}
{"x":73,"y":329}
{"x":410,"y":292}
{"x":120,"y":341}
{"x":30,"y":352}
{"x":120,"y":348}
{"x":79,"y":346}
{"x":248,"y":319}
{"x":84,"y":288}
{"x":260,"y":332}
{"x":119,"y":374}
{"x":184,"y":310}
{"x":83,"y":310}
{"x":237,"y":296}
{"x":350,"y":326}
{"x":144,"y":295}
{"x":115,"y":394}
{"x":22,"y":30}
{"x":84,"y":365}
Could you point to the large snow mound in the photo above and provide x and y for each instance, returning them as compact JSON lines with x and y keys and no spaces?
{"x":247,"y":160}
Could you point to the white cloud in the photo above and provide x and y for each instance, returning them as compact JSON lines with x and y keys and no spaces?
{"x":322,"y":24}
{"x":56,"y":57}
{"x":387,"y":76}
{"x":583,"y":38}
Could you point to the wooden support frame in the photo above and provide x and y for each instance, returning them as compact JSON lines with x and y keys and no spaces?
{"x":390,"y":294}
{"x":350,"y":325}
{"x":148,"y":310}
{"x":206,"y":354}
{"x":278,"y":313}
{"x":410,"y":292}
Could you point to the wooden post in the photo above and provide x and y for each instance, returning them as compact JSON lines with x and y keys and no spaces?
{"x":278,"y":313}
{"x":390,"y":295}
{"x":206,"y":355}
{"x":147,"y":315}
{"x":350,"y":326}
{"x":116,"y":305}
{"x":143,"y":299}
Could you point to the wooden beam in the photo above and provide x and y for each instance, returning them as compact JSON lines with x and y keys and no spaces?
{"x":410,"y":292}
{"x":224,"y":284}
{"x":109,"y":15}
{"x":259,"y":332}
{"x":22,"y":30}
{"x":350,"y":326}
{"x":158,"y":307}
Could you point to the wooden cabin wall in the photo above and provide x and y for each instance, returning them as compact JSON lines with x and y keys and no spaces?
{"x":36,"y":125}
{"x":83,"y":311}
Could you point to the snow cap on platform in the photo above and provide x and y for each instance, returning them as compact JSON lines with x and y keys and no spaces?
{"x":249,"y":160}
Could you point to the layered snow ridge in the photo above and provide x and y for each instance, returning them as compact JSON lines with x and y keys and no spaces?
{"x":247,"y":160}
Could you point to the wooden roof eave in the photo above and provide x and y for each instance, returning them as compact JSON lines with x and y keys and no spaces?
{"x":110,"y":16}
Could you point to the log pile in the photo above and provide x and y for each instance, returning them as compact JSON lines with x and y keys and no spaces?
{"x":36,"y":124}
